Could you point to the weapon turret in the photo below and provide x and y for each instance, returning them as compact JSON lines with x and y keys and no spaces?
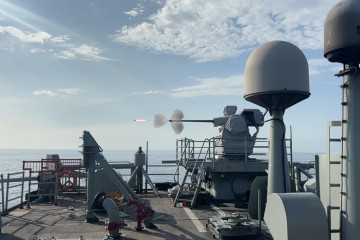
{"x":234,"y":139}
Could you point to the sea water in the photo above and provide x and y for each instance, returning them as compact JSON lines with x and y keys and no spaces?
{"x":11,"y":162}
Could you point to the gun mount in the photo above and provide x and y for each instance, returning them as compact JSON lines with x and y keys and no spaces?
{"x":221,"y":165}
{"x":234,"y":140}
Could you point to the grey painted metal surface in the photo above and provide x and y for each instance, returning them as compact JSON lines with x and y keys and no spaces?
{"x":232,"y":226}
{"x":351,"y":154}
{"x":328,"y":186}
{"x":90,"y":153}
{"x":296,"y":216}
{"x":276,"y":76}
{"x":342,"y":30}
{"x":139,"y":170}
{"x":278,"y":178}
{"x":139,"y":158}
{"x":342,"y":44}
{"x":113,"y":215}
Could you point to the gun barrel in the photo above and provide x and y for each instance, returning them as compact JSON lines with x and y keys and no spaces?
{"x":180,"y":120}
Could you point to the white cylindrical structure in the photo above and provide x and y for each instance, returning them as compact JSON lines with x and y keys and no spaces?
{"x":113,"y":215}
{"x":350,"y":218}
{"x":278,"y":180}
{"x":276,"y":78}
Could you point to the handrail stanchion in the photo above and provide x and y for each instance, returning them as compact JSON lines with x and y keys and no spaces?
{"x":56,"y":188}
{"x":2,"y":194}
{"x":213,"y":143}
{"x":7,"y":194}
{"x":146,"y":164}
{"x":246,"y":163}
{"x":29,"y":191}
{"x":177,"y":159}
{"x":22,"y":191}
{"x":259,"y":209}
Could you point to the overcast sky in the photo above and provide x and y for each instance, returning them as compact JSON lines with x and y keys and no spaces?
{"x":68,"y":66}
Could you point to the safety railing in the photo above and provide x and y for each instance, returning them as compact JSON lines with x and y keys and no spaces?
{"x":51,"y":165}
{"x":51,"y":182}
{"x":12,"y":191}
{"x":11,"y":185}
{"x":58,"y":168}
{"x":210,"y":149}
{"x":2,"y":194}
{"x":70,"y":163}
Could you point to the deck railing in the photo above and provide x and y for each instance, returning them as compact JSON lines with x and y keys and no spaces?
{"x":12,"y":190}
{"x":189,"y":149}
{"x":51,"y":165}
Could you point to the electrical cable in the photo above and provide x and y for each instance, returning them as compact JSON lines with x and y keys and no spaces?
{"x":262,"y":119}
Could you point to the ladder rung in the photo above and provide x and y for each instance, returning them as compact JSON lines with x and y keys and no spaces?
{"x":334,"y":184}
{"x":334,"y":230}
{"x":184,"y":200}
{"x":335,"y":162}
{"x":335,"y":140}
{"x":334,"y":208}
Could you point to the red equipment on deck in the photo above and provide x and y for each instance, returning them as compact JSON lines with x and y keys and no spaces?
{"x":64,"y":167}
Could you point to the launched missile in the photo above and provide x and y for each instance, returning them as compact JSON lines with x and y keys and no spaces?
{"x":140,"y":120}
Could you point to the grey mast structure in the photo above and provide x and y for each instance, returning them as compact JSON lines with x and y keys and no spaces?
{"x":276,"y":78}
{"x":342,"y":44}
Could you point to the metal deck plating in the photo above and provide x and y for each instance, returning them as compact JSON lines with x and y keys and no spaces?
{"x":68,"y":221}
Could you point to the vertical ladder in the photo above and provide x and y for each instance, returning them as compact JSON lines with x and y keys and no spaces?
{"x":333,"y":185}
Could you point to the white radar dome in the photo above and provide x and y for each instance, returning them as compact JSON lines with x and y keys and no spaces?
{"x":276,"y":76}
{"x":342,"y":32}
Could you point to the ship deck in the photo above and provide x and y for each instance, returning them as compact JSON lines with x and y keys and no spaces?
{"x":67,"y":221}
